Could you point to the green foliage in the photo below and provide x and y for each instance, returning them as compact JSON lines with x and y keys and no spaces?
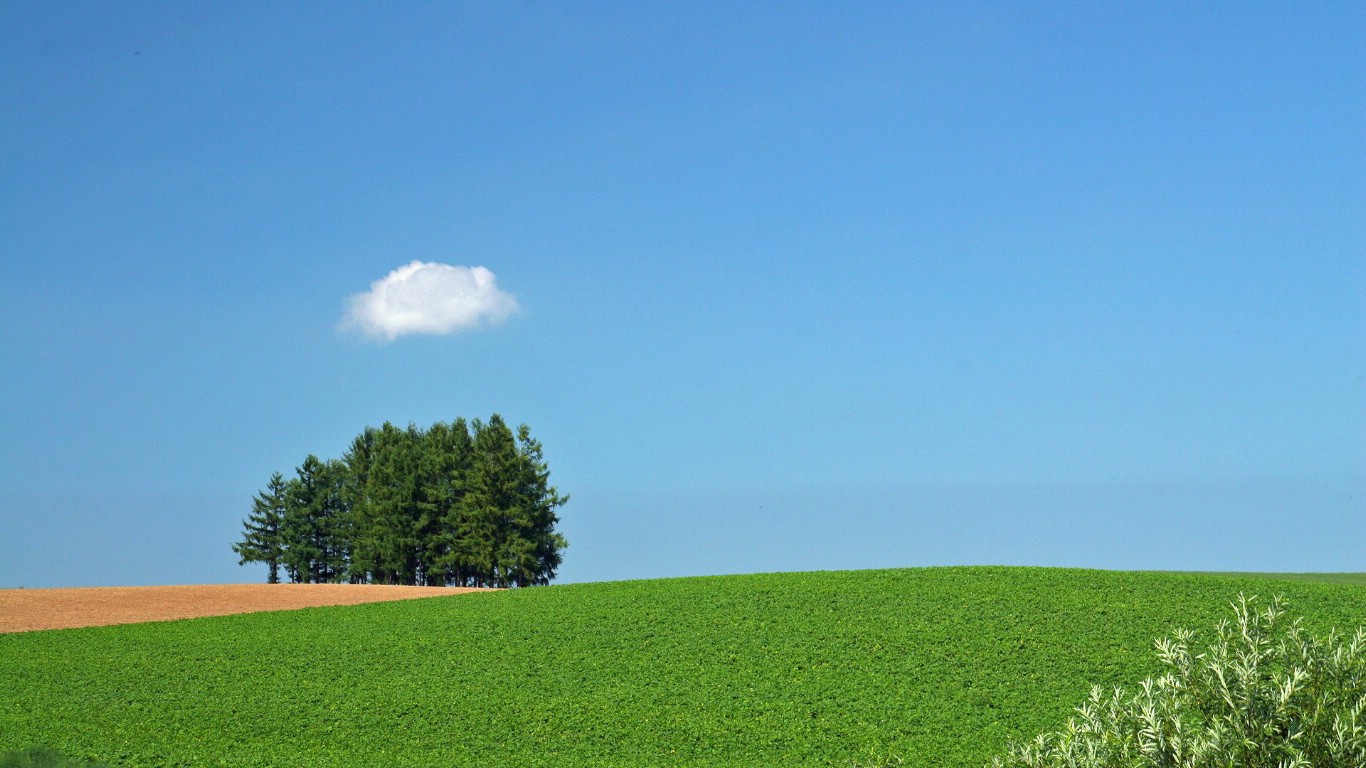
{"x":457,"y":504}
{"x":879,"y":761}
{"x":942,"y":666}
{"x":1263,"y":693}
{"x":261,"y":537}
{"x":1334,"y":578}
{"x":38,"y":757}
{"x":315,"y":539}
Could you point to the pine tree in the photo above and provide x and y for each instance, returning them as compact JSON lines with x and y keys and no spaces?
{"x":388,"y":525}
{"x":356,"y":465}
{"x":540,"y":500}
{"x":317,"y":526}
{"x":261,"y":542}
{"x":301,"y":552}
{"x":507,"y":536}
{"x":462,"y":503}
{"x":333,"y":522}
{"x":483,"y":520}
{"x":447,"y":454}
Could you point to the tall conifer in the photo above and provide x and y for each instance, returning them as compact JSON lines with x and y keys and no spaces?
{"x":261,"y":530}
{"x":541,"y":499}
{"x":447,"y":455}
{"x":468,"y":504}
{"x":356,"y":464}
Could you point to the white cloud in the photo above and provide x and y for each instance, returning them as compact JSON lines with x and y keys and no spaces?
{"x":430,"y":298}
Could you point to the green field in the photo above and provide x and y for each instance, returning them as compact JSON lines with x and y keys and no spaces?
{"x":938,"y":665}
{"x":1331,"y":578}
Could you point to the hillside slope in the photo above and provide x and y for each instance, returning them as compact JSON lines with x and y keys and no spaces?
{"x":938,"y":665}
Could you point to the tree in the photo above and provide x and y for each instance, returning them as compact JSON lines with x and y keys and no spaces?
{"x":540,"y":500}
{"x":460,"y":503}
{"x":334,"y":522}
{"x":261,"y":541}
{"x":508,"y":513}
{"x":316,"y":531}
{"x":355,"y":492}
{"x":387,"y":522}
{"x":481,"y":523}
{"x":447,"y":457}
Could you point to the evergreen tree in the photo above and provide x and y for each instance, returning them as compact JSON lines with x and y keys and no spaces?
{"x":301,"y":552}
{"x":295,"y":556}
{"x":389,"y":524}
{"x":317,"y":527}
{"x":333,"y":523}
{"x":462,"y":503}
{"x":355,"y":491}
{"x":540,"y":499}
{"x":479,"y":521}
{"x":261,"y":542}
{"x":447,"y":453}
{"x":508,"y":515}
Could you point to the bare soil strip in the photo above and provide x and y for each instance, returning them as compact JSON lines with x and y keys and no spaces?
{"x":24,"y":610}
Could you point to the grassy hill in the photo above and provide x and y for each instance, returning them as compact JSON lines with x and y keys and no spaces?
{"x":939,"y":665}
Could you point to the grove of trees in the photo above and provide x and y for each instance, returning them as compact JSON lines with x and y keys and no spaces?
{"x":459,"y":504}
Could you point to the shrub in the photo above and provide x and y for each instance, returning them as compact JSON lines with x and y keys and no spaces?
{"x":1263,"y":694}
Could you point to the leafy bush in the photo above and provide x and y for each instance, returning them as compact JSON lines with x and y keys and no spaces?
{"x":1263,"y":694}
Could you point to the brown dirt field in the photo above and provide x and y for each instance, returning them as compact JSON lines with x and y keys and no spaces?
{"x":24,"y":610}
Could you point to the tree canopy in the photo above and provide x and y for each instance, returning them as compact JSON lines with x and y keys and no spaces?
{"x":458,"y":504}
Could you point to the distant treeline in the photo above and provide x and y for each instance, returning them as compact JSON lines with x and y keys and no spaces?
{"x":464,"y":504}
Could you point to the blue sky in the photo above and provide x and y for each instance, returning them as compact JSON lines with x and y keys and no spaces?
{"x":778,"y":286}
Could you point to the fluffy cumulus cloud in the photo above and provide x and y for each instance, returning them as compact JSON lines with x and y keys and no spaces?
{"x":430,"y":298}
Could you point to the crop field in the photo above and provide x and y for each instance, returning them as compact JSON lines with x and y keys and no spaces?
{"x":941,"y":666}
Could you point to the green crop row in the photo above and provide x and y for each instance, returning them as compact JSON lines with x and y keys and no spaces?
{"x":941,"y":666}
